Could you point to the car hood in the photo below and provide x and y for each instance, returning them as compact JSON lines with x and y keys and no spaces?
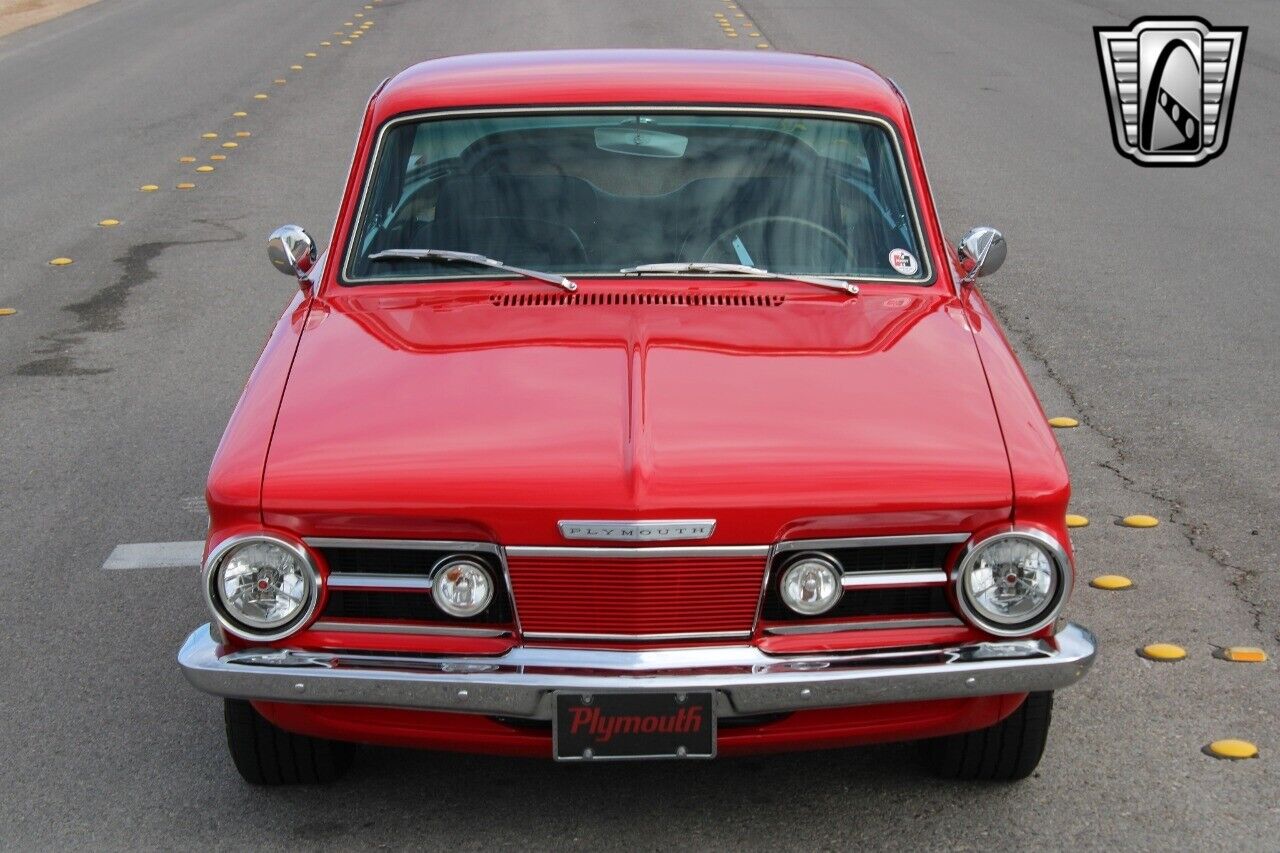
{"x":494,"y":411}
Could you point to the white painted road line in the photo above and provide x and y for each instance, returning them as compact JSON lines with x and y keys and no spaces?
{"x":156,"y":555}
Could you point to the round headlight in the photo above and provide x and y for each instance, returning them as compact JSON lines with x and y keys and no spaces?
{"x":261,"y":587}
{"x":462,"y":587}
{"x":811,"y":584}
{"x":1013,"y":583}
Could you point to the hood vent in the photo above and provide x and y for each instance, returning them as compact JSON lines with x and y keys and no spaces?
{"x":719,"y":300}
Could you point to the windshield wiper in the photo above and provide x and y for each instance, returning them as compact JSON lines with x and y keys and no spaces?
{"x":741,"y":269}
{"x":470,"y":258}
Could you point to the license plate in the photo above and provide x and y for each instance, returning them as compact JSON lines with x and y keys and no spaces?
{"x":602,"y":726}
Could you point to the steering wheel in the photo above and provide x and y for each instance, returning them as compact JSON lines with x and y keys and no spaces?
{"x":761,"y":221}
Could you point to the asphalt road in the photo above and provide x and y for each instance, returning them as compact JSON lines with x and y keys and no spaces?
{"x":1143,"y":302}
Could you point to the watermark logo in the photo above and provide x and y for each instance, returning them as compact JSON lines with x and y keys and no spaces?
{"x":1171,"y":84}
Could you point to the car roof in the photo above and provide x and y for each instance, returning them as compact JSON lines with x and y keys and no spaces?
{"x":602,"y":77}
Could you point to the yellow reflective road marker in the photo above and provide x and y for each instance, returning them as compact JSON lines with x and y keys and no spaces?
{"x":763,"y":45}
{"x":231,"y":144}
{"x":208,"y":136}
{"x":261,"y":96}
{"x":312,"y":54}
{"x":1163,"y":652}
{"x":1242,"y":654}
{"x":1140,"y":521}
{"x":8,"y":312}
{"x":218,"y":157}
{"x":148,"y":188}
{"x":1063,"y":423}
{"x":108,"y":223}
{"x":204,"y":168}
{"x":295,"y":67}
{"x":754,"y":35}
{"x":326,"y":44}
{"x":1111,"y":582}
{"x":280,"y":81}
{"x":1232,"y":749}
{"x":186,"y":185}
{"x":345,"y":43}
{"x":239,"y":114}
{"x":60,"y":262}
{"x":348,"y":23}
{"x":243,"y":134}
{"x":1077,"y":521}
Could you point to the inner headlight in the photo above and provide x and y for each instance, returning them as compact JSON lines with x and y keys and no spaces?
{"x":1013,"y":583}
{"x":462,"y":587}
{"x":261,"y":587}
{"x":810,"y":585}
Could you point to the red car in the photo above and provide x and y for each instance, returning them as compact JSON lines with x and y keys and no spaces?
{"x":639,"y":409}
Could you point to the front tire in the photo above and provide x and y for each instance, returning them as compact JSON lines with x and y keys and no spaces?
{"x":1006,"y":752}
{"x":266,"y":754}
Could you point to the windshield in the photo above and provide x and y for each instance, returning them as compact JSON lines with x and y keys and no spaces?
{"x":595,"y":193}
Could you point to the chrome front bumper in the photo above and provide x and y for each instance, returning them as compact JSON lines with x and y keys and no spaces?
{"x":524,"y":681}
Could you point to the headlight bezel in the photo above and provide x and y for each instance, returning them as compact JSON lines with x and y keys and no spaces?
{"x":1063,"y":579}
{"x":210,"y":578}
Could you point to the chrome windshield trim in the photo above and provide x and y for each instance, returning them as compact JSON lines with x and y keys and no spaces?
{"x":872,"y":580}
{"x":403,"y":544}
{"x":384,"y":582}
{"x":873,"y":625}
{"x":588,"y":553}
{"x":923,"y":243}
{"x":872,"y":541}
{"x":427,"y":630}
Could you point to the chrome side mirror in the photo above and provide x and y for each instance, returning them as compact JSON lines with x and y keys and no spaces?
{"x":981,"y":253}
{"x":292,"y":251}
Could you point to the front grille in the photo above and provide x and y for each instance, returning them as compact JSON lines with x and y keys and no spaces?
{"x":403,"y":605}
{"x":894,"y":601}
{"x":636,"y":596}
{"x":408,"y":607}
{"x":876,"y":601}
{"x":891,"y":558}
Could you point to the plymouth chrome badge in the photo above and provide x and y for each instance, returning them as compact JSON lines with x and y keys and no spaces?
{"x":1170,"y":84}
{"x":639,"y":531}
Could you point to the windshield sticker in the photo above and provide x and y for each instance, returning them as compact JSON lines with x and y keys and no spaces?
{"x":904,"y":262}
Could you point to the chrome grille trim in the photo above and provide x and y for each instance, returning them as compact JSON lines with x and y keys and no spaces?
{"x":382,"y":583}
{"x":878,"y":624}
{"x":871,"y":542}
{"x":385,"y":628}
{"x":866,"y":580}
{"x":640,"y":638}
{"x":403,"y":544}
{"x":659,"y":553}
